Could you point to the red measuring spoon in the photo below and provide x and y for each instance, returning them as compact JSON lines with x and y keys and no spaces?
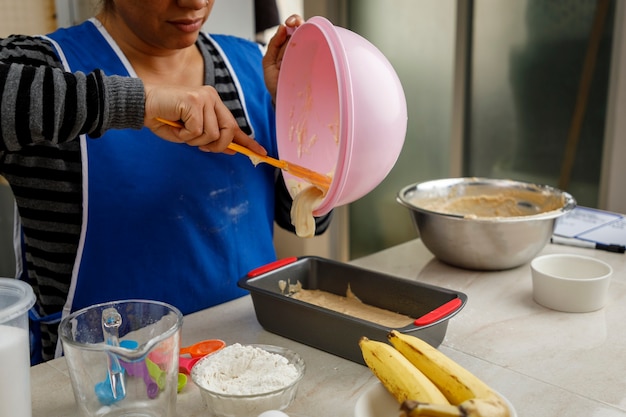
{"x":185,"y":364}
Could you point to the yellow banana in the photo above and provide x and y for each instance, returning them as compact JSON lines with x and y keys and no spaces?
{"x":454,"y":381}
{"x":460,"y":387}
{"x":403,"y":380}
{"x":476,"y":407}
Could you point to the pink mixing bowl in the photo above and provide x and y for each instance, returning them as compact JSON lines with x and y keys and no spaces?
{"x":341,"y":110}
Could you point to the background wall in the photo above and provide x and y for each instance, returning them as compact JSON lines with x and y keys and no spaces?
{"x":418,"y":38}
{"x":527,"y":69}
{"x":506,"y":112}
{"x":235,"y":17}
{"x":26,"y":17}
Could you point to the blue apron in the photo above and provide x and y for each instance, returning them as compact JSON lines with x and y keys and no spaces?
{"x":166,"y":221}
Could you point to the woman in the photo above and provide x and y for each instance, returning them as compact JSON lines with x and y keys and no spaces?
{"x":128,"y":215}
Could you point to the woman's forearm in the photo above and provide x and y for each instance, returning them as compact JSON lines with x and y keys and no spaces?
{"x":45,"y":104}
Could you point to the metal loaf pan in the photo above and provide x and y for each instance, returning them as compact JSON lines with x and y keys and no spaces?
{"x":338,"y":333}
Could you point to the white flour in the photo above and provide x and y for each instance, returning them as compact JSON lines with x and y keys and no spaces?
{"x":245,"y":370}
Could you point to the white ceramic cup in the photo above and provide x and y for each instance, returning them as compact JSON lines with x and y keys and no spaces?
{"x":570,"y":283}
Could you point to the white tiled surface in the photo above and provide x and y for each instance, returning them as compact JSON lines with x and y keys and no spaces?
{"x":546,"y":363}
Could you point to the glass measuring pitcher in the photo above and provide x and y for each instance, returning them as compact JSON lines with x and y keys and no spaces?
{"x":123,"y":358}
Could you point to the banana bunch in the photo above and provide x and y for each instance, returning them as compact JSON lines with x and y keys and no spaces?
{"x":398,"y":375}
{"x":411,"y":381}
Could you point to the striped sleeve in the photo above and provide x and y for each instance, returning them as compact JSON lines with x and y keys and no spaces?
{"x":46,"y":104}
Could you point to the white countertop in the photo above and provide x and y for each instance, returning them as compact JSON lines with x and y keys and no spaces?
{"x":545,"y":362}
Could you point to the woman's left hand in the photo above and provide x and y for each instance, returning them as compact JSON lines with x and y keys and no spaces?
{"x":275,"y":51}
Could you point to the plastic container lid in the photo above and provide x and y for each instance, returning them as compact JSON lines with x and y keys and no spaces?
{"x":16,"y":298}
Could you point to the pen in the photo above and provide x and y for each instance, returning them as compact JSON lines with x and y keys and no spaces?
{"x":587,"y":244}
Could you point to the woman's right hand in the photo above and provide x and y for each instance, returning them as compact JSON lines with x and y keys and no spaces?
{"x":207,"y":122}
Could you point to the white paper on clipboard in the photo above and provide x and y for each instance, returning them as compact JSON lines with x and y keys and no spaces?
{"x":593,"y":225}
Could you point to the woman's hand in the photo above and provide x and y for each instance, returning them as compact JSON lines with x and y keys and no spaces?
{"x":275,"y":51}
{"x":206,"y":121}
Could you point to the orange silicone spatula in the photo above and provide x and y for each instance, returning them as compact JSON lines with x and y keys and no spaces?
{"x":315,"y":178}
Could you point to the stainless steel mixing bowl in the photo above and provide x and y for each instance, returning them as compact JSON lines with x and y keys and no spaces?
{"x":461,"y":220}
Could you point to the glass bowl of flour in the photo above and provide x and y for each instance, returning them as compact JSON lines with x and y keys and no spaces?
{"x":246,"y":380}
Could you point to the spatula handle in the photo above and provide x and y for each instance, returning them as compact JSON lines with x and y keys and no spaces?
{"x":315,"y":178}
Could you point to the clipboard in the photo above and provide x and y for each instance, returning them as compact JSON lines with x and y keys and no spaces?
{"x":592,"y":225}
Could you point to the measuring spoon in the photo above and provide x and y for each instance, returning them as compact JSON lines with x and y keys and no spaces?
{"x":185,"y":364}
{"x":156,"y":373}
{"x":203,"y":348}
{"x":139,"y":369}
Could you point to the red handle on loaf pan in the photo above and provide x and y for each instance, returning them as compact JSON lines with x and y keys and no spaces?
{"x":439,"y":313}
{"x":271,"y":266}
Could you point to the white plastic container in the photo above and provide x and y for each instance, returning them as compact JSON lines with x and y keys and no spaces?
{"x":570,"y":283}
{"x":16,"y":298}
